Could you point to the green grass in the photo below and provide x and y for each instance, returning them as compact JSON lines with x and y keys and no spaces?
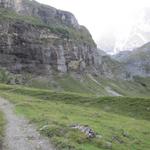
{"x":2,"y":122}
{"x":122,"y":121}
{"x":87,"y":84}
{"x":130,"y":88}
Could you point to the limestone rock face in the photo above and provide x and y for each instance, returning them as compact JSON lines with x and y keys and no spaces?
{"x":7,"y":3}
{"x":11,"y":4}
{"x":25,"y":47}
{"x":39,"y":39}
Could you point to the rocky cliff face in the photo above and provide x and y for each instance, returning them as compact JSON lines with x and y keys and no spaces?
{"x":47,"y":14}
{"x":39,"y":39}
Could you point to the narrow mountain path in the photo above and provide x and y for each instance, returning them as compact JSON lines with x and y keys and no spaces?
{"x":19,"y":134}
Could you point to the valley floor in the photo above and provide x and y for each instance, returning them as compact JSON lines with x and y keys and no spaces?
{"x":121,"y":123}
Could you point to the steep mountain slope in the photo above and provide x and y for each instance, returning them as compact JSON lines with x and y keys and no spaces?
{"x":44,"y":47}
{"x":136,"y":62}
{"x":38,"y":39}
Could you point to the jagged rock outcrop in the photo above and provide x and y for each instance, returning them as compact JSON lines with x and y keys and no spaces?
{"x":39,"y":39}
{"x":11,"y":4}
{"x":47,"y":14}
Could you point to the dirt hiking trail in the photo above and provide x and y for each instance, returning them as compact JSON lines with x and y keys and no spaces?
{"x":19,"y":134}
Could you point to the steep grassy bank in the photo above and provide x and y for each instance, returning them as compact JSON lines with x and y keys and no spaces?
{"x":121,"y":123}
{"x":84,"y":84}
{"x":1,"y":129}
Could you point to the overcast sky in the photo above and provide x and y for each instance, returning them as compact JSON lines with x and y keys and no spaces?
{"x":102,"y":16}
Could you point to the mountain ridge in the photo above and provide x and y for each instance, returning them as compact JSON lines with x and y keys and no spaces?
{"x":41,"y":40}
{"x":48,"y":37}
{"x":136,"y":62}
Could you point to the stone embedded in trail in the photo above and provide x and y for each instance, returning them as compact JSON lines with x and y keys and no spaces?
{"x":85,"y":129}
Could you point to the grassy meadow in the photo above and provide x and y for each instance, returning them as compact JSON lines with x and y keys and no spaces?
{"x":121,"y":123}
